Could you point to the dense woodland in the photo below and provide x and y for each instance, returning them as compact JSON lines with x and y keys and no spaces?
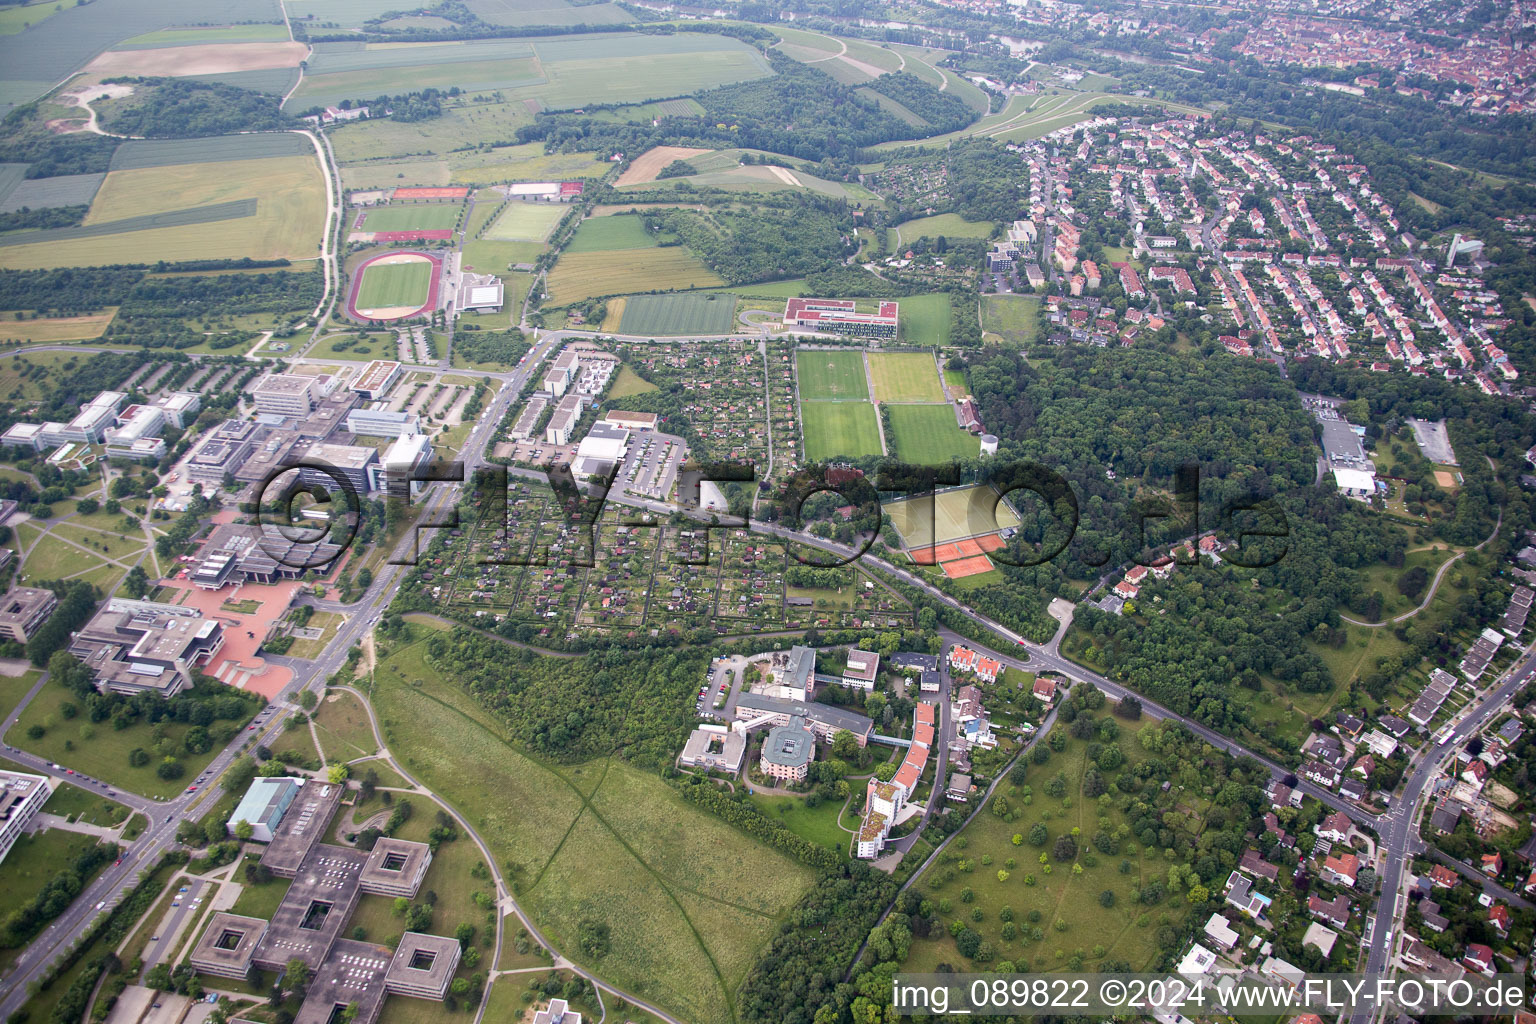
{"x":175,"y":312}
{"x":478,"y":346}
{"x":180,"y":108}
{"x":791,"y":237}
{"x":47,"y":217}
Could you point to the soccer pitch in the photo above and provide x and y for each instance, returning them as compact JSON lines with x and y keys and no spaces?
{"x":839,"y":430}
{"x":395,"y":285}
{"x":832,"y":376}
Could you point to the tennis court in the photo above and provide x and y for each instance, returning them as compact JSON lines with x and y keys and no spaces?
{"x":973,"y":566}
{"x":947,"y":517}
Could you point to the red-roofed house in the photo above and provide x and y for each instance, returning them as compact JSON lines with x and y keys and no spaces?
{"x":1479,"y":958}
{"x":1444,"y":877}
{"x":1045,"y":689}
{"x":1492,"y":864}
{"x":1335,"y":827}
{"x":1341,"y":869}
{"x":1498,"y":916}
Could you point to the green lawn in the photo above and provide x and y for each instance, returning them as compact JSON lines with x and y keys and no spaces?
{"x":56,"y":559}
{"x":924,"y":320}
{"x":835,"y":430}
{"x":1013,"y":318}
{"x":343,"y":726}
{"x":601,"y":234}
{"x":32,"y":863}
{"x":948,"y":225}
{"x":1062,"y":895}
{"x":73,"y":802}
{"x":627,"y":382}
{"x":834,"y":375}
{"x":928,"y":434}
{"x":387,"y":285}
{"x":905,"y":377}
{"x":689,"y":900}
{"x":413,"y":217}
{"x":101,"y":751}
{"x":818,"y":824}
{"x":13,"y":688}
{"x":259,"y":900}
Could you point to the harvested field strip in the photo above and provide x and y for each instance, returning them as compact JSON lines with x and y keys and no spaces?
{"x":137,"y":154}
{"x":588,"y":275}
{"x":45,"y":193}
{"x":233,"y":210}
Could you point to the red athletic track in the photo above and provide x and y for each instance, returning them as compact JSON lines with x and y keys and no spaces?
{"x":433,"y":235}
{"x":430,"y":193}
{"x":357,"y":281}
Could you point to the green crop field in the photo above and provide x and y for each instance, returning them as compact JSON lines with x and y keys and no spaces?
{"x":712,"y":313}
{"x":927,"y":435}
{"x":832,"y":375}
{"x":525,"y":222}
{"x":329,"y":89}
{"x":839,"y":430}
{"x":347,"y":13}
{"x":925,"y":319}
{"x":261,"y":208}
{"x":689,"y":901}
{"x":1013,"y":318}
{"x":905,"y":377}
{"x":619,"y":232}
{"x":547,"y":12}
{"x":588,"y":275}
{"x":413,"y":217}
{"x":43,"y":193}
{"x":394,"y":284}
{"x":211,"y":34}
{"x":526,"y":162}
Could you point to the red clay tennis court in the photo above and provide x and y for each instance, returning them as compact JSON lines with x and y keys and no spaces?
{"x":935,"y":555}
{"x":991,"y":542}
{"x":430,"y":193}
{"x":967,"y":548}
{"x":972,"y":566}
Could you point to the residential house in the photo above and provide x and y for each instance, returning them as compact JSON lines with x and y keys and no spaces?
{"x":1335,"y":828}
{"x":1492,"y":865}
{"x":1341,"y":869}
{"x":1255,"y":865}
{"x":1498,"y":916}
{"x":1444,"y":877}
{"x":1334,"y":911}
{"x":1479,"y":958}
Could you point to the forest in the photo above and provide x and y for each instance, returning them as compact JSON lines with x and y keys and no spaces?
{"x":490,"y":346}
{"x":173,"y":312}
{"x":180,"y":108}
{"x":790,"y":237}
{"x":47,"y":217}
{"x":25,"y":138}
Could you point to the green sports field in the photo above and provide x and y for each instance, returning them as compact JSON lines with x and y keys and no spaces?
{"x":601,"y":234}
{"x":839,"y":430}
{"x":905,"y":377}
{"x":525,"y":222}
{"x":413,"y":217}
{"x":928,"y":434}
{"x":836,"y":376}
{"x":949,"y":515}
{"x":394,"y":285}
{"x":711,"y":313}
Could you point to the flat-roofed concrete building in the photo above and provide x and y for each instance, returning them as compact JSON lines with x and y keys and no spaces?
{"x":22,"y":795}
{"x":716,"y":747}
{"x":227,"y":945}
{"x":136,"y":433}
{"x":824,"y":720}
{"x":359,"y":465}
{"x":285,"y":394}
{"x":317,"y":906}
{"x":563,"y":423}
{"x":352,"y":975}
{"x":395,"y":867}
{"x":180,"y":407}
{"x":557,"y":1012}
{"x":422,"y":966}
{"x":23,"y":435}
{"x":788,"y":751}
{"x":381,"y":423}
{"x":224,"y":451}
{"x":23,"y":610}
{"x":482,"y":298}
{"x":522,"y":430}
{"x":402,"y":459}
{"x":862,"y":668}
{"x":376,"y":379}
{"x":143,"y":646}
{"x":263,"y":806}
{"x":91,"y":423}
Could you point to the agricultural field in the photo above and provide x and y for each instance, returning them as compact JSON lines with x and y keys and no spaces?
{"x":584,"y":843}
{"x":679,"y":314}
{"x":46,"y":193}
{"x":395,"y":285}
{"x":62,"y":328}
{"x":1014,"y":319}
{"x":413,"y":217}
{"x":346,"y":13}
{"x":215,"y":208}
{"x":525,"y":222}
{"x":835,"y":375}
{"x":603,"y":233}
{"x":647,"y":165}
{"x":389,"y":173}
{"x":208,"y":34}
{"x":589,"y":275}
{"x":905,"y":377}
{"x":839,"y":430}
{"x":928,"y":435}
{"x":24,"y":16}
{"x":948,"y":225}
{"x":527,"y":162}
{"x":556,"y":71}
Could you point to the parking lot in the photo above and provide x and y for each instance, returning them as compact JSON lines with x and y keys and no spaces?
{"x":650,"y":468}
